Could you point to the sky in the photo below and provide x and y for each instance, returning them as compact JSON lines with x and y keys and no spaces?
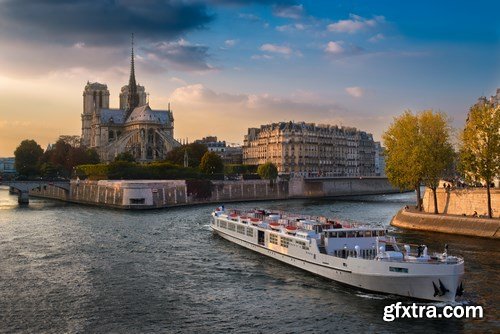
{"x":227,"y":65}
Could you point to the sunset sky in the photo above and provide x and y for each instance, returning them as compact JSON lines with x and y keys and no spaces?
{"x":226,"y":65}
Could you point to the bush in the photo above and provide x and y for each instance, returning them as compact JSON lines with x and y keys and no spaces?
{"x":251,"y":177}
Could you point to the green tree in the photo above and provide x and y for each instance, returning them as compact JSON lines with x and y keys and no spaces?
{"x":211,"y":163}
{"x":480,"y":146}
{"x":28,"y":155}
{"x":195,"y":153}
{"x":437,"y":151}
{"x":403,"y":166}
{"x":268,"y":171}
{"x":92,"y":156}
{"x":125,"y":156}
{"x":418,"y":150}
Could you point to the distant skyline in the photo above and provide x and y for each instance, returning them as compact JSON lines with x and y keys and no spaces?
{"x":226,"y":65}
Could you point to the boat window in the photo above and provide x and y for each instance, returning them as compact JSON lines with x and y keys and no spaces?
{"x":273,"y":239}
{"x":374,"y":233}
{"x":223,"y":224}
{"x":380,"y":233}
{"x":342,"y":234}
{"x":285,"y":242}
{"x":240,"y":229}
{"x":398,"y":270}
{"x":368,"y":234}
{"x":250,"y":232}
{"x":231,"y":226}
{"x":351,"y":234}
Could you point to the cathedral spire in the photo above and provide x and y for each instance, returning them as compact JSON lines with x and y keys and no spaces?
{"x":133,"y":96}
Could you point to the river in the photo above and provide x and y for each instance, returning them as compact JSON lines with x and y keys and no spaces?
{"x":72,"y":268}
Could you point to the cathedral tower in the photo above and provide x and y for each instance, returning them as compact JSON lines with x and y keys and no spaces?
{"x":133,"y":95}
{"x":95,"y":96}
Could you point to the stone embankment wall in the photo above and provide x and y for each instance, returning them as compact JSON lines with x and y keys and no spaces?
{"x":342,"y":186}
{"x":144,"y":194}
{"x":478,"y":227}
{"x":462,"y":201}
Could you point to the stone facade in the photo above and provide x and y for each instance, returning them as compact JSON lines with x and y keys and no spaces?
{"x":134,"y":128}
{"x":306,"y":149}
{"x":462,"y":201}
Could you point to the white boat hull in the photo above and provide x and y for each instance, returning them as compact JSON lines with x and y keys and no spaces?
{"x":364,"y":274}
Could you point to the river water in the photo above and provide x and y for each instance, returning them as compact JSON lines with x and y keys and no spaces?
{"x":71,"y":268}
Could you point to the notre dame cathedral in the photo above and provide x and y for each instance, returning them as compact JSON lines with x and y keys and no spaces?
{"x":135,"y":128}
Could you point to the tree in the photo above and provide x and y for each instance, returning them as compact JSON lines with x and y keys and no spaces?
{"x":480,"y":146}
{"x":195,"y":153}
{"x":92,"y":156}
{"x":403,"y":166}
{"x":437,"y":151}
{"x":211,"y":163}
{"x":268,"y":171}
{"x":418,"y":150}
{"x":28,"y":155}
{"x":125,"y":156}
{"x":74,"y":141}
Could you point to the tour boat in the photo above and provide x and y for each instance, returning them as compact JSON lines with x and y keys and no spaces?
{"x":291,"y":229}
{"x":362,"y":256}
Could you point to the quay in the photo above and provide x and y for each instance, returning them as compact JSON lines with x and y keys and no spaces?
{"x":152,"y":194}
{"x":456,"y":213}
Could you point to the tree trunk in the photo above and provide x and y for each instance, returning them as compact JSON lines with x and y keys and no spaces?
{"x":419,"y":202}
{"x":436,"y":211}
{"x":490,"y":213}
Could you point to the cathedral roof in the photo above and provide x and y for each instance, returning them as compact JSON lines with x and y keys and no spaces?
{"x":145,"y":114}
{"x":115,"y":116}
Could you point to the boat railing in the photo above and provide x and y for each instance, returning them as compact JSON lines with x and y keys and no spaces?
{"x":261,"y":214}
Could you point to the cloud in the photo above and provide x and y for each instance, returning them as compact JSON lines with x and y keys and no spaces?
{"x":341,"y":49}
{"x":355,"y":91}
{"x":249,"y":17}
{"x":355,"y":24}
{"x":334,"y":47}
{"x":178,"y":81}
{"x":289,"y":12}
{"x":274,"y":48}
{"x":248,"y":2}
{"x":100,"y":22}
{"x":261,"y":105}
{"x":265,"y":57}
{"x":180,"y":55}
{"x":230,"y":42}
{"x":199,"y":109}
{"x":376,"y":38}
{"x":291,"y":27}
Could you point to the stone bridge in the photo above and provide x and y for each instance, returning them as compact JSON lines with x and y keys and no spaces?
{"x":23,"y":187}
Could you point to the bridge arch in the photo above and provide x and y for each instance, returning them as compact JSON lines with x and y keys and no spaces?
{"x":24,"y":187}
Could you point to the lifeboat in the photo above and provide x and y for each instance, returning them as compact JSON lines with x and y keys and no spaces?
{"x":255,"y":221}
{"x":274,"y":226}
{"x":291,"y":229}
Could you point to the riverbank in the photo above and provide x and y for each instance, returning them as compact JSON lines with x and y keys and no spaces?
{"x":154,"y":194}
{"x":451,"y":224}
